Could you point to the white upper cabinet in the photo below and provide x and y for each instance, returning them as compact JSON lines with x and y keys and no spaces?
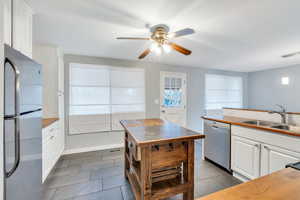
{"x":7,"y":21}
{"x":22,"y":26}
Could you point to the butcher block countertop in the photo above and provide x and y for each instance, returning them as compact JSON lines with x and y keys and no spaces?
{"x":155,"y":131}
{"x":240,"y":122}
{"x":280,"y":185}
{"x":48,"y":121}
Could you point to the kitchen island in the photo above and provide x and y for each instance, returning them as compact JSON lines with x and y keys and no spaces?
{"x":159,"y":158}
{"x":280,"y":185}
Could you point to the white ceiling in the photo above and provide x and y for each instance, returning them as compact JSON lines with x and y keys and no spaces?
{"x":239,"y":35}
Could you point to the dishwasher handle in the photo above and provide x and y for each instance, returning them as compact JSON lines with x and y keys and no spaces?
{"x":219,"y":126}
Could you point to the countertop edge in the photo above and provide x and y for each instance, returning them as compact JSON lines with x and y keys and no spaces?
{"x":48,"y":121}
{"x":249,"y":190}
{"x":253,"y":126}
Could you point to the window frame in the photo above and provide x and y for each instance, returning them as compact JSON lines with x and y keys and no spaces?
{"x":241,"y":91}
{"x":111,"y":104}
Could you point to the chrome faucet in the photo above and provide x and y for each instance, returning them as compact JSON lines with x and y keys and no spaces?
{"x":282,"y":113}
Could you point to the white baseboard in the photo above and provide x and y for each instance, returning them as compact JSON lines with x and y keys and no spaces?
{"x":95,"y":148}
{"x":240,"y":177}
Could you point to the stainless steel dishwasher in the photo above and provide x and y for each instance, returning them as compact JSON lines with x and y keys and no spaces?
{"x":217,"y":143}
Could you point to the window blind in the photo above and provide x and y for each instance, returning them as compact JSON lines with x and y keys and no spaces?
{"x":223,"y":91}
{"x":100,"y":96}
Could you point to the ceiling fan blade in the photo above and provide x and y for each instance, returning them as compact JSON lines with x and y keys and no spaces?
{"x":132,"y":38}
{"x":290,"y":55}
{"x":180,"y":49}
{"x":183,"y":32}
{"x":145,"y":53}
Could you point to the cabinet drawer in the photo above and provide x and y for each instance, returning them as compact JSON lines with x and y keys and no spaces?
{"x":50,"y":131}
{"x":168,"y":155}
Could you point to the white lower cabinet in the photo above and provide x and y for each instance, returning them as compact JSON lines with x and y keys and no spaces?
{"x":53,"y":146}
{"x":245,"y":158}
{"x":256,"y":153}
{"x":275,"y":158}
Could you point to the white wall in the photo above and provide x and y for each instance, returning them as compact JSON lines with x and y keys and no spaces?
{"x":48,"y":56}
{"x":195,"y":97}
{"x":266,"y":90}
{"x":1,"y":97}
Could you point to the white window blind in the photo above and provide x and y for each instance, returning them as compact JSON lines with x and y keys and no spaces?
{"x":101,"y":96}
{"x":223,"y":91}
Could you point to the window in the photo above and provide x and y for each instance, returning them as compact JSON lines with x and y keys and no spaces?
{"x":172,"y":96}
{"x":100,"y":96}
{"x":223,"y":91}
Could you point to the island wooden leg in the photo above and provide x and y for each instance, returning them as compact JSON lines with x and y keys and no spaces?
{"x":189,"y":171}
{"x":126,"y":163}
{"x":146,"y":173}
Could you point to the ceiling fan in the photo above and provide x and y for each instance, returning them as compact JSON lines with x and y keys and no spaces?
{"x":160,"y":37}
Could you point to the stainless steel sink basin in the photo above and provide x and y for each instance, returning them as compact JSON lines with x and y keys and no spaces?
{"x":251,"y":122}
{"x":259,"y":123}
{"x":283,"y":127}
{"x":272,"y":125}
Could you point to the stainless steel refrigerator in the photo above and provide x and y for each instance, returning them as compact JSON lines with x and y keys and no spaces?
{"x":22,"y":127}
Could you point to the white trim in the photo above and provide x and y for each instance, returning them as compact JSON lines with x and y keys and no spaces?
{"x":240,"y":177}
{"x":95,"y":148}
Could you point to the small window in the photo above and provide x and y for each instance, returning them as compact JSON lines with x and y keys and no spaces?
{"x":223,"y":91}
{"x":172,"y":92}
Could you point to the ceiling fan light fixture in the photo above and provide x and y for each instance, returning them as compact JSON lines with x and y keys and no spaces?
{"x":160,"y":43}
{"x":167,"y":48}
{"x":158,"y":50}
{"x":154,"y":46}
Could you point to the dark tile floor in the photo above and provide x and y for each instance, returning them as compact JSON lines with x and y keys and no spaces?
{"x":100,"y":176}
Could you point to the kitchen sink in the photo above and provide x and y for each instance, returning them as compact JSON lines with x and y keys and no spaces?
{"x":283,"y":127}
{"x":268,"y":124}
{"x":259,"y":123}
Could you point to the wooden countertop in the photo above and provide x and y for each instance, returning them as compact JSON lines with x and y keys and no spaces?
{"x":239,"y":121}
{"x":258,"y":110}
{"x":150,"y":131}
{"x":281,"y":185}
{"x":48,"y":121}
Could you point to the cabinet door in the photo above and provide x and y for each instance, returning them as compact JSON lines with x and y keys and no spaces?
{"x":52,"y":148}
{"x":22,"y":33}
{"x":245,"y":157}
{"x":275,"y":158}
{"x":7,"y":21}
{"x":48,"y":152}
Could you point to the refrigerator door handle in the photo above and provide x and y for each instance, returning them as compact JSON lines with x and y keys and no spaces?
{"x":16,"y":119}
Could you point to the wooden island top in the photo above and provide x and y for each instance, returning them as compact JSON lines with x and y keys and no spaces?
{"x":280,"y":185}
{"x":156,"y":131}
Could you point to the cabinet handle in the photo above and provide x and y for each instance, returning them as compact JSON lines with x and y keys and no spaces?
{"x":266,"y":147}
{"x":51,"y":137}
{"x":256,"y":145}
{"x":131,"y":145}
